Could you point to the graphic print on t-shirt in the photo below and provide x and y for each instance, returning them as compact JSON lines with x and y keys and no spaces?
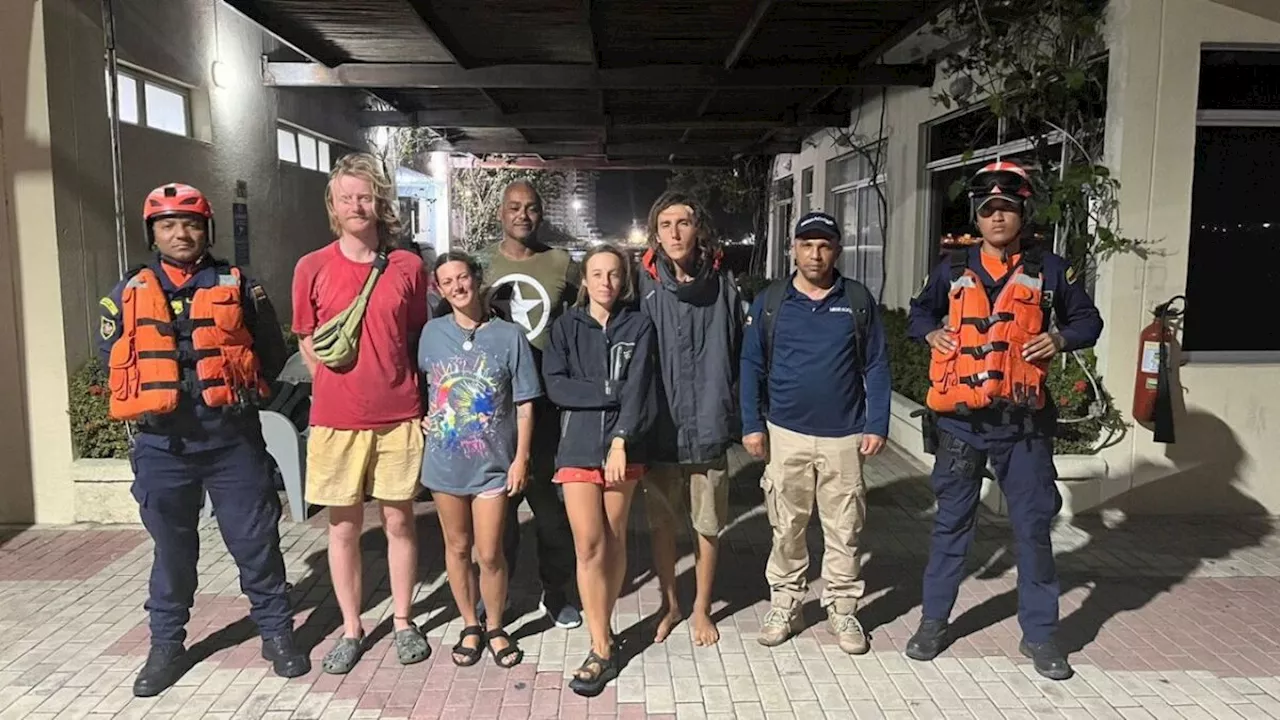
{"x":463,"y":404}
{"x":526,"y":302}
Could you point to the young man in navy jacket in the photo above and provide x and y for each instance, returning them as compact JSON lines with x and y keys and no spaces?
{"x":1014,"y":285}
{"x":816,"y":405}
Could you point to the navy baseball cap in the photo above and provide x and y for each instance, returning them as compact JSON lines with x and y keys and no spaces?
{"x":820,"y":225}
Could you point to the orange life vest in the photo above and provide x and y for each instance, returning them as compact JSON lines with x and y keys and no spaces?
{"x":146,"y":364}
{"x":986,"y":368}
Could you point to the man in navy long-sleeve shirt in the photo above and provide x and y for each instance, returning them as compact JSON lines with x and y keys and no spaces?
{"x":815,"y":408}
{"x":1015,"y":432}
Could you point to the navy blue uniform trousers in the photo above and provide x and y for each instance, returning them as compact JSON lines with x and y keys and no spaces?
{"x":1023,"y":466}
{"x":169,"y":488}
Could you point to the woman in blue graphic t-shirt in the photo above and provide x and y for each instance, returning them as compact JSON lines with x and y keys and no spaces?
{"x":480,"y":377}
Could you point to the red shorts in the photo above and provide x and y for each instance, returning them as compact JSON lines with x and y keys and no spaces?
{"x":595,"y":476}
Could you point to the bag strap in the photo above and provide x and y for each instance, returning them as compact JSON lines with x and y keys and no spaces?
{"x":379,"y":265}
{"x":362,"y":301}
{"x":773,"y":295}
{"x":859,"y":298}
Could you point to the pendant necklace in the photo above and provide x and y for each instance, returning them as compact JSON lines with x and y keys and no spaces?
{"x":471,"y":336}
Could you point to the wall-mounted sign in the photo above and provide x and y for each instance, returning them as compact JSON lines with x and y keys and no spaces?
{"x":240,"y":220}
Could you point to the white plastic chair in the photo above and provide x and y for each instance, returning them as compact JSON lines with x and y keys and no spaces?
{"x":289,"y":449}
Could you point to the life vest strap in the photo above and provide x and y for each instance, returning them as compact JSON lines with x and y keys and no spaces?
{"x":164,"y":327}
{"x":161,"y":385}
{"x":986,"y":323}
{"x":959,"y":262}
{"x":158,"y":354}
{"x":979,"y":378}
{"x":982,"y":351}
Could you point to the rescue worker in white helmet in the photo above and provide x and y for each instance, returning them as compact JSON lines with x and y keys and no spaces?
{"x":189,"y":342}
{"x":987,"y":402}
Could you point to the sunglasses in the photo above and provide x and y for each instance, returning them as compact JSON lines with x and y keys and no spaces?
{"x":1002,"y":181}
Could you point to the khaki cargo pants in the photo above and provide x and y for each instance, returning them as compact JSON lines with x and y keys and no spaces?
{"x":804,"y":470}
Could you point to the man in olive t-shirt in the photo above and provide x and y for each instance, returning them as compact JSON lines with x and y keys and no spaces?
{"x":530,"y":284}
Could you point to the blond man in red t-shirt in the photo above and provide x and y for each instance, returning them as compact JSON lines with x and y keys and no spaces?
{"x":365,"y":432}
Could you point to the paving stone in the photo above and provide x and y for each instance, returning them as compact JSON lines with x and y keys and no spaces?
{"x":1138,"y":599}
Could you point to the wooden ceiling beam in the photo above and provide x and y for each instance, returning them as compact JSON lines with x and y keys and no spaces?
{"x":533,"y":162}
{"x":589,"y":77}
{"x":639,"y":149}
{"x":588,"y":120}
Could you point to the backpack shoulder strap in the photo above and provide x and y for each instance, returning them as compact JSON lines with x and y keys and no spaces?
{"x":773,"y":295}
{"x":959,"y":262}
{"x":859,"y":298}
{"x":1033,"y":260}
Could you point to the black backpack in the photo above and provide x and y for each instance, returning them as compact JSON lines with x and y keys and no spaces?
{"x":859,"y":306}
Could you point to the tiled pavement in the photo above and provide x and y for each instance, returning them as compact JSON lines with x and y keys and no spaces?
{"x":1167,"y":618}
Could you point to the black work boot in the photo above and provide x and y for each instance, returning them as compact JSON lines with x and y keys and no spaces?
{"x":287,"y":659}
{"x":165,"y":664}
{"x":928,"y":641}
{"x":1049,"y":660}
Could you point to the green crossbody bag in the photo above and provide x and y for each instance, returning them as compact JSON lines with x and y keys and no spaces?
{"x":337,"y":342}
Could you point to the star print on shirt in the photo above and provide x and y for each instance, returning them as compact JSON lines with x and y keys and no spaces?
{"x":519,"y":308}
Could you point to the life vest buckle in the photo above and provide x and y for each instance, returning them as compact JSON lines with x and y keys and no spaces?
{"x":986,"y":323}
{"x":982,"y":351}
{"x":977,"y":379}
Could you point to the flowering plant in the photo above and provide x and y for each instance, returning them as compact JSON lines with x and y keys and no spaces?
{"x":93,"y":433}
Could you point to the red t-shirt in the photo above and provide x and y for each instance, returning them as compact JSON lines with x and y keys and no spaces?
{"x":381,"y":387}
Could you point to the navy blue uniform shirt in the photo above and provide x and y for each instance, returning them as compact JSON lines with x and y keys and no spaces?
{"x":1078,"y":319}
{"x":193,"y":426}
{"x":814,"y":385}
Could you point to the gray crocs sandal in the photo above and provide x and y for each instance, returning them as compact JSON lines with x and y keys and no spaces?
{"x":411,"y":646}
{"x":343,"y":657}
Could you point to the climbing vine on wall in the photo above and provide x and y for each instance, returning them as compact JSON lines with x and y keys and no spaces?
{"x":1040,"y":68}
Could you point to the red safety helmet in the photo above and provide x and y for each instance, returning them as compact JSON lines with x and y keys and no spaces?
{"x":176,"y":199}
{"x":1000,"y":179}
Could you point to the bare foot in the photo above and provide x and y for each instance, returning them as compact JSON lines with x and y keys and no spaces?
{"x":667,"y":623}
{"x":704,"y":631}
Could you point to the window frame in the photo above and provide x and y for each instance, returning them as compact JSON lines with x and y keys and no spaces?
{"x":323,"y":149}
{"x":1239,"y":119}
{"x":806,"y":190}
{"x":857,"y":249}
{"x":782,"y":213}
{"x":141,"y":80}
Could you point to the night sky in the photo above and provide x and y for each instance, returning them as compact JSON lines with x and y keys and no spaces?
{"x":622,"y":195}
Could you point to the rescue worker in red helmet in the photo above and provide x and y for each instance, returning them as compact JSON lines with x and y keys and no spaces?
{"x":987,"y":402}
{"x":188,"y":342}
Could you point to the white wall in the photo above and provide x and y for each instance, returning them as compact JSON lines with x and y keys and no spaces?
{"x":58,"y":249}
{"x":1226,"y":457}
{"x":234,"y":139}
{"x":35,"y":439}
{"x":904,"y":248}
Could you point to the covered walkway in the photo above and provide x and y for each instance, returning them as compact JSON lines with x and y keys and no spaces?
{"x":601,"y":84}
{"x":1165,"y":618}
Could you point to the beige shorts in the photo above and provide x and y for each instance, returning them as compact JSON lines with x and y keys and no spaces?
{"x":342,"y":465}
{"x":704,"y":489}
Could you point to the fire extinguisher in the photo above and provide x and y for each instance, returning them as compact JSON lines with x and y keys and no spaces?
{"x":1152,"y":388}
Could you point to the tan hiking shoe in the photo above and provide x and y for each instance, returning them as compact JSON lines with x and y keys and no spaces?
{"x":847,"y":629}
{"x":779,"y":625}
